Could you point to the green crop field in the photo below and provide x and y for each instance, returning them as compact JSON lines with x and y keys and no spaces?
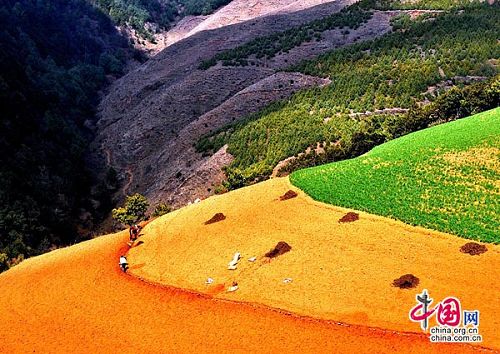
{"x":445,"y":178}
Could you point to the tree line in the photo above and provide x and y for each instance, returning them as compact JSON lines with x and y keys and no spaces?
{"x":148,"y":17}
{"x":55,"y":57}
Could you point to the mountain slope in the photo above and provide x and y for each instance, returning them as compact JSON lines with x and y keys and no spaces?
{"x":77,"y":300}
{"x":379,"y":90}
{"x":143,"y":115}
{"x":339,"y":271}
{"x":239,"y":11}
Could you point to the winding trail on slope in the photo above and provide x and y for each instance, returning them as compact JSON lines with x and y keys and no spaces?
{"x":130,"y":179}
{"x":77,"y":300}
{"x":128,"y":171}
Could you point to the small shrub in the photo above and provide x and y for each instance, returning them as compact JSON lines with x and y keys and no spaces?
{"x":4,"y":265}
{"x":220,"y":189}
{"x":401,"y":22}
{"x":133,"y":211}
{"x":161,"y":209}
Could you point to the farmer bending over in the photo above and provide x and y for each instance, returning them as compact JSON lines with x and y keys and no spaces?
{"x":123,"y":263}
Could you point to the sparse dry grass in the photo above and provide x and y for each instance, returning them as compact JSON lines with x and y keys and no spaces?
{"x":488,"y":157}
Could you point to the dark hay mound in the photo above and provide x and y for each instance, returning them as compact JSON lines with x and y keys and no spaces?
{"x":406,"y":281}
{"x":349,"y":217}
{"x":288,"y":195}
{"x":216,"y":218}
{"x":281,"y":248}
{"x":473,"y":248}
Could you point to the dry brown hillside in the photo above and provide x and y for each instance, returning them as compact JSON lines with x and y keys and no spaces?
{"x":236,"y":11}
{"x":153,"y":115}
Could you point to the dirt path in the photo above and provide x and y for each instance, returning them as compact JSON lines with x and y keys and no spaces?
{"x":128,"y":172}
{"x":76,"y":300}
{"x":107,"y":153}
{"x":130,"y":180}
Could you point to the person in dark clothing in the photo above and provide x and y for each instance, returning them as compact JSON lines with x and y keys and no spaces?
{"x":134,"y":232}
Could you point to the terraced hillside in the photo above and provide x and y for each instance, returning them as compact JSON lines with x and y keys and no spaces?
{"x":445,"y":178}
{"x":145,"y":126}
{"x":420,"y":74}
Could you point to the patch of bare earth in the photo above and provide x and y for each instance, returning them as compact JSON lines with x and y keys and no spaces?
{"x":216,"y":218}
{"x":281,"y":248}
{"x":407,"y":281}
{"x":349,"y":217}
{"x":473,"y":248}
{"x":288,"y":195}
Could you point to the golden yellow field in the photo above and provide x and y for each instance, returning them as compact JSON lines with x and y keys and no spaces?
{"x":76,"y":300}
{"x":338,"y":271}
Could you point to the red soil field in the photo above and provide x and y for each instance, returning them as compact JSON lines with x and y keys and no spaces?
{"x":76,"y":300}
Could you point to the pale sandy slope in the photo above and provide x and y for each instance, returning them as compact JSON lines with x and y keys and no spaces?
{"x":244,"y":10}
{"x":235,"y":12}
{"x":340,"y":272}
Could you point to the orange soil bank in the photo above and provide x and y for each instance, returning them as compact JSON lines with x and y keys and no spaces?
{"x":340,"y":271}
{"x":76,"y":300}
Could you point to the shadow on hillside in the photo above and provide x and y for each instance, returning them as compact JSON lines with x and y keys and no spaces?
{"x":137,"y":266}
